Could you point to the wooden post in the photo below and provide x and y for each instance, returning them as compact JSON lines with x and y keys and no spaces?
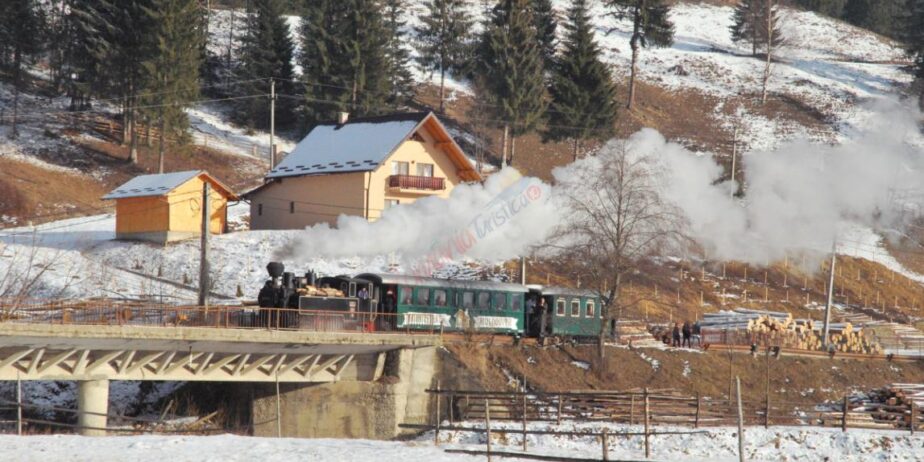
{"x":699,"y":405}
{"x":278,"y":409}
{"x":524,"y":420}
{"x":452,"y":409}
{"x":436,"y":416}
{"x":204,"y":282}
{"x":18,"y":405}
{"x":606,"y":445}
{"x":632,"y":409}
{"x":740,"y":421}
{"x":767,"y":408}
{"x":559,"y":409}
{"x":844,"y":416}
{"x":912,"y":416}
{"x":647,"y":426}
{"x":487,"y":426}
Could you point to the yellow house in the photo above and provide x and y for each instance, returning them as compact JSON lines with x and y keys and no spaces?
{"x":360,"y":167}
{"x":166,"y":207}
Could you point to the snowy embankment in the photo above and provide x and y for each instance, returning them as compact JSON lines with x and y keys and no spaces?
{"x":719,"y":444}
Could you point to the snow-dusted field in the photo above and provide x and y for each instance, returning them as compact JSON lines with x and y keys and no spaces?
{"x":775,"y":444}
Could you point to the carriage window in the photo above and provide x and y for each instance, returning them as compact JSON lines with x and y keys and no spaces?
{"x":500,"y":301}
{"x":439,"y":297}
{"x":484,"y":300}
{"x":406,"y":295}
{"x":468,"y":299}
{"x":423,"y":296}
{"x":352,"y":289}
{"x":516,"y":302}
{"x":591,"y":309}
{"x":576,"y":308}
{"x":560,"y":307}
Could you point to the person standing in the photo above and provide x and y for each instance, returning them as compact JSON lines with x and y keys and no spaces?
{"x":676,"y":335}
{"x":687,"y":332}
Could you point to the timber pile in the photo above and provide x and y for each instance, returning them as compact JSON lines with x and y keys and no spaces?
{"x":635,"y":333}
{"x":891,"y":405}
{"x":898,"y":339}
{"x":769,"y":328}
{"x":312,"y":291}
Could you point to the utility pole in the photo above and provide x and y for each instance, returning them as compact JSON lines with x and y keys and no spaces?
{"x":734,"y":187}
{"x":204,"y":246}
{"x":824,"y":340}
{"x":523,"y":270}
{"x":272,"y":123}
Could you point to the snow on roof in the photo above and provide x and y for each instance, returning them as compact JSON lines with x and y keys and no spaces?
{"x":358,"y":146}
{"x":152,"y":185}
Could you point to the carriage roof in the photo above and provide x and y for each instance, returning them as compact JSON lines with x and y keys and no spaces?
{"x":408,"y":280}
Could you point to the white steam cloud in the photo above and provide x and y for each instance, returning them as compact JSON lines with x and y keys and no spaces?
{"x":497,"y":220}
{"x":798,"y":195}
{"x":795,"y":198}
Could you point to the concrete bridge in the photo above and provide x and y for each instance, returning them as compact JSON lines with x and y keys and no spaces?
{"x":308,"y":365}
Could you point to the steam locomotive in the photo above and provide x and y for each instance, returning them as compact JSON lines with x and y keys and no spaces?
{"x":392,"y":302}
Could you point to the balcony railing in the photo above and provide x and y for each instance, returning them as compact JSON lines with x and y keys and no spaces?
{"x":417,"y":182}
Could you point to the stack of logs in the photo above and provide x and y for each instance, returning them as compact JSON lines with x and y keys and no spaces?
{"x":780,"y":329}
{"x":635,"y":333}
{"x":888,"y":407}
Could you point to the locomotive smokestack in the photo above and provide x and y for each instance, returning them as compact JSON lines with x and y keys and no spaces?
{"x":275,"y":269}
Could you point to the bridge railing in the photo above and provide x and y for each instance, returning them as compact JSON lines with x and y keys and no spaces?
{"x":222,"y":316}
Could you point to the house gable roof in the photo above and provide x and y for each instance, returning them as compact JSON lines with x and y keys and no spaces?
{"x":362,"y":145}
{"x":160,"y":184}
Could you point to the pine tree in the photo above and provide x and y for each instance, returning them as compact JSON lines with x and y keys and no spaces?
{"x":913,"y":36}
{"x":546,"y":25}
{"x":650,"y":27}
{"x":513,"y":69}
{"x":397,"y":54}
{"x":119,"y":44}
{"x":751,"y":22}
{"x":344,"y":60}
{"x":583,"y":95}
{"x":21,"y":38}
{"x":443,"y":39}
{"x":266,"y":53}
{"x":325,"y":75}
{"x":173,"y":67}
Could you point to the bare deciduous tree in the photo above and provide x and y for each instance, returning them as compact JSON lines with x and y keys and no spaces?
{"x":615,"y":216}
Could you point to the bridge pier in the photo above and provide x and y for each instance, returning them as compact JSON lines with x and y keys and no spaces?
{"x":92,"y":405}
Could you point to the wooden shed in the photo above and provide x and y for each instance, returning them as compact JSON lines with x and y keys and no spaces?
{"x":167,"y":207}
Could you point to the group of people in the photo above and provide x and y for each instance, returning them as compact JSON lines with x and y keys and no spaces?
{"x":684,"y":335}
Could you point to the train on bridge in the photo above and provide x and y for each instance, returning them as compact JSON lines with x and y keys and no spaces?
{"x":391,"y":302}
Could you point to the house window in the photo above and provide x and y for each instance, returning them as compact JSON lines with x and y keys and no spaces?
{"x":425,"y":170}
{"x":260,"y":209}
{"x":591,"y":309}
{"x":400,"y":168}
{"x":389,"y":203}
{"x":291,"y":207}
{"x":560,"y":307}
{"x":576,"y":308}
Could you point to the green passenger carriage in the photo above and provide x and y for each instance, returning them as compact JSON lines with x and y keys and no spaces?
{"x":451,"y":305}
{"x":563,"y":312}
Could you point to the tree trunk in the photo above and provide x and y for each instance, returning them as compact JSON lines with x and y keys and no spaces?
{"x":17,"y":78}
{"x":513,"y":148}
{"x":574,"y":154}
{"x":160,"y":154}
{"x":769,"y":25}
{"x":634,"y":69}
{"x":133,"y":150}
{"x":504,"y":146}
{"x":442,"y":90}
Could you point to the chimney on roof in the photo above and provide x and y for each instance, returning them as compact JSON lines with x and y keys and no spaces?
{"x":343,"y":117}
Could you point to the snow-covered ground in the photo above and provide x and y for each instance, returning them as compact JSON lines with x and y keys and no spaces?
{"x":719,"y":444}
